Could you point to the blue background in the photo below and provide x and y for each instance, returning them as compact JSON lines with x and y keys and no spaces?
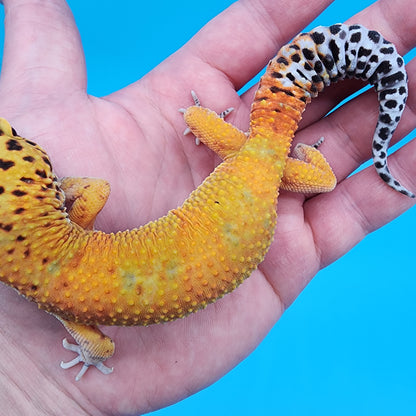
{"x":346,"y":346}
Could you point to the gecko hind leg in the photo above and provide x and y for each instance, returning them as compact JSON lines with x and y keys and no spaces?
{"x":307,"y":171}
{"x":85,"y":197}
{"x":197,"y":104}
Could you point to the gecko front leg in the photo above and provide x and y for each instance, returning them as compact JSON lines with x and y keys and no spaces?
{"x":86,"y":197}
{"x":93,"y":347}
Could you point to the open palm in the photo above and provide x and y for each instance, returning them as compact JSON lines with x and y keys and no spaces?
{"x":133,"y":138}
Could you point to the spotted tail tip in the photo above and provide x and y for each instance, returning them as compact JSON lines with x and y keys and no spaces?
{"x":386,"y":176}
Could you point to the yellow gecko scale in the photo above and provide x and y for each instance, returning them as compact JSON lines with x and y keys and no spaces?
{"x":197,"y":253}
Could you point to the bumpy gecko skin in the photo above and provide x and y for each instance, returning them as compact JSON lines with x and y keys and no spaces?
{"x":197,"y":253}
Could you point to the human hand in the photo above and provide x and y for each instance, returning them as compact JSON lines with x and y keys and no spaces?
{"x":133,"y":138}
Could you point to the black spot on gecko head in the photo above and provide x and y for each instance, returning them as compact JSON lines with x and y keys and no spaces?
{"x":6,"y":164}
{"x":19,"y":193}
{"x":6,"y":227}
{"x":27,"y":180}
{"x":47,"y":161}
{"x":29,"y":159}
{"x":41,"y":173}
{"x":31,"y":143}
{"x":13,"y":144}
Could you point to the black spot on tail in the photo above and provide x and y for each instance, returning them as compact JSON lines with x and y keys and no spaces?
{"x":275,"y":90}
{"x":333,"y":47}
{"x":318,"y":38}
{"x":374,"y":36}
{"x":355,"y":37}
{"x":308,"y":54}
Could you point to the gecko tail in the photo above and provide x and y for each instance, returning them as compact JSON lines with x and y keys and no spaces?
{"x":326,"y":55}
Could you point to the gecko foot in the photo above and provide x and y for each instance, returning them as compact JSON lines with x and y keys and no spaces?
{"x":83,"y":358}
{"x":197,"y":103}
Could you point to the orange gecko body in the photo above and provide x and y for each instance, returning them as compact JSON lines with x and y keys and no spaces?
{"x":178,"y":264}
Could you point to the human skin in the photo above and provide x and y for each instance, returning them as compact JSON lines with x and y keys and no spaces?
{"x":162,"y":364}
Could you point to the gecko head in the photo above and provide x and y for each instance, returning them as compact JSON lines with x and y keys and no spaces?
{"x":25,"y":168}
{"x":21,"y":156}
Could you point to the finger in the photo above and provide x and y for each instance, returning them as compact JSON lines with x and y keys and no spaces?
{"x":42,"y":49}
{"x":240,"y":50}
{"x":228,"y":51}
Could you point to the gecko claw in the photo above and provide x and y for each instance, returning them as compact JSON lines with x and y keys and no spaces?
{"x":225,"y":113}
{"x":195,"y":98}
{"x":318,"y":143}
{"x":186,"y":131}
